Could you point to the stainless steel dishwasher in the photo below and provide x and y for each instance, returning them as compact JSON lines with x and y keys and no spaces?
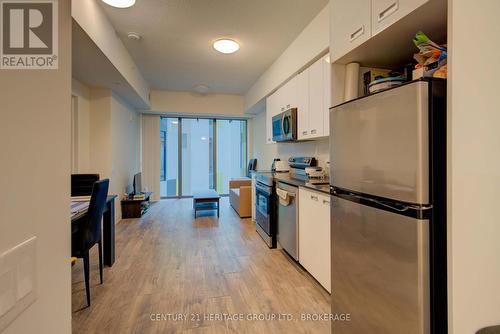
{"x":288,"y":235}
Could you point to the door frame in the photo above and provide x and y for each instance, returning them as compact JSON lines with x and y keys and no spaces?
{"x":214,"y":153}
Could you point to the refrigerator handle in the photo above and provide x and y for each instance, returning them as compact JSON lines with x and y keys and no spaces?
{"x":396,"y":207}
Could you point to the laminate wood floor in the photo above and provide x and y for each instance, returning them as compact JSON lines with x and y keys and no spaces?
{"x":177,"y":274}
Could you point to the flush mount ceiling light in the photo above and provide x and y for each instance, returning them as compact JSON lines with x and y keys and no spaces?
{"x":120,"y":3}
{"x":201,"y":89}
{"x":226,"y":46}
{"x":133,"y":36}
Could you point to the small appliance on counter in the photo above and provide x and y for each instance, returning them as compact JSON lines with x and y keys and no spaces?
{"x":306,"y":169}
{"x":315,"y":172}
{"x":298,"y":166}
{"x":280,"y":166}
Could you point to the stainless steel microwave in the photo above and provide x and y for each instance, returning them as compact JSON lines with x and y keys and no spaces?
{"x":285,"y":126}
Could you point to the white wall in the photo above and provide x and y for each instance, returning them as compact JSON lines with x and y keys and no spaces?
{"x":197,"y":104}
{"x":265,"y":153}
{"x":474,"y":165}
{"x":310,"y":43}
{"x":34,"y":174}
{"x":150,"y":154}
{"x":100,"y":132}
{"x":108,"y":138}
{"x":82,"y":94}
{"x":125,"y":146}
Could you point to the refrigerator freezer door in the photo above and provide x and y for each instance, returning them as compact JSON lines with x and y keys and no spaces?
{"x":379,"y":270}
{"x":380,"y":146}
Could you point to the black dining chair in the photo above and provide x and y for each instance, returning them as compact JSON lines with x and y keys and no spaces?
{"x":88,"y":233}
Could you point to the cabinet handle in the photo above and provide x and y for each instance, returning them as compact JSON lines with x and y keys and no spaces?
{"x":388,"y":11}
{"x":314,"y":197}
{"x":313,"y":131}
{"x":304,"y":133}
{"x":358,"y":32}
{"x":326,"y":202}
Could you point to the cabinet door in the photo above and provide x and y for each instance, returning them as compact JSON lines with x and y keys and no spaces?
{"x":289,"y":94}
{"x":350,"y":25}
{"x":316,"y":91}
{"x":386,"y":12}
{"x":322,"y":271}
{"x":314,"y":235}
{"x":327,"y":94}
{"x":271,"y":110}
{"x":302,"y":102}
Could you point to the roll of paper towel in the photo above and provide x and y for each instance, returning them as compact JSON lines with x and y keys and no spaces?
{"x":351,"y":81}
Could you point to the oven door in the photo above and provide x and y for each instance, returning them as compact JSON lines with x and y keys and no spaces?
{"x":263,"y":207}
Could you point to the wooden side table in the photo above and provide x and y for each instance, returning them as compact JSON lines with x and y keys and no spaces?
{"x":135,"y":208}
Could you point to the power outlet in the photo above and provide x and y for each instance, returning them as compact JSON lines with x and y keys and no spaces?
{"x":17,"y":281}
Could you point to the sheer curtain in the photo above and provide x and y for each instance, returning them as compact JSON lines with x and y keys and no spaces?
{"x":151,"y":154}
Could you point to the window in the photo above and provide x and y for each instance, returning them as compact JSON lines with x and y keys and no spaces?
{"x":206,"y":155}
{"x":197,"y":155}
{"x":169,"y":167}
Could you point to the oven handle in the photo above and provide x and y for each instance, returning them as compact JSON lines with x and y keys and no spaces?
{"x":264,"y":189}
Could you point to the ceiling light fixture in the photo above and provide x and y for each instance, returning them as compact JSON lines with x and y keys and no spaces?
{"x":201,"y":89}
{"x":133,"y":36}
{"x":120,"y":3}
{"x":226,"y":46}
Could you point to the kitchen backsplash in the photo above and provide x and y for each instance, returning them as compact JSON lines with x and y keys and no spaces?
{"x":265,"y":153}
{"x":317,"y":148}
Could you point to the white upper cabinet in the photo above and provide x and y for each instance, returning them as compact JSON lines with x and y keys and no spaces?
{"x":272,"y":109}
{"x":355,"y":21}
{"x":309,"y":92}
{"x":303,"y":105}
{"x":288,"y":95}
{"x":316,"y":102}
{"x":350,"y":26}
{"x":284,"y":98}
{"x":386,"y":12}
{"x":327,"y":94}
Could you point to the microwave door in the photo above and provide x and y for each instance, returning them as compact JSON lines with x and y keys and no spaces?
{"x":277,"y":128}
{"x":285,"y":126}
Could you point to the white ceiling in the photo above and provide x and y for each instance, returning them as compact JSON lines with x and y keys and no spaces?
{"x":175,"y":52}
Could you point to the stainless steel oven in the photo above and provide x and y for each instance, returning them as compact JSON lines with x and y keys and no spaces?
{"x":265,"y":209}
{"x":285,"y":126}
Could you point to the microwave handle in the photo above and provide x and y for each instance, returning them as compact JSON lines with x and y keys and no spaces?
{"x":283,"y":125}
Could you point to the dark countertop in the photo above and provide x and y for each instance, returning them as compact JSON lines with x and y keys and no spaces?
{"x":285,"y":178}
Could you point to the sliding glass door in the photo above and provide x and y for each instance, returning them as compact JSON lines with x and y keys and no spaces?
{"x":169,"y":153}
{"x":201,"y":153}
{"x":197,"y":155}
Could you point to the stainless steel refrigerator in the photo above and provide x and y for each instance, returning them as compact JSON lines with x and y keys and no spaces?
{"x":388,"y":212}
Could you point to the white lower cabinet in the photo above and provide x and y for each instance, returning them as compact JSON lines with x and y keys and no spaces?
{"x":314,"y":235}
